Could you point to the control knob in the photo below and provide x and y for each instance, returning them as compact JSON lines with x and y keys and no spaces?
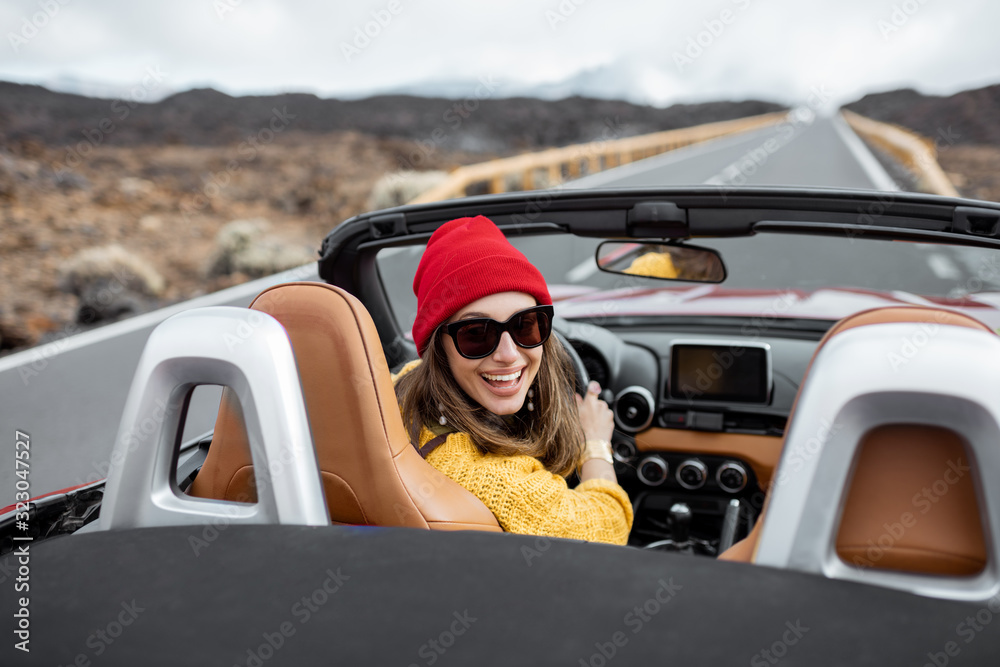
{"x":732,"y":477}
{"x":691,"y":474}
{"x":652,"y":471}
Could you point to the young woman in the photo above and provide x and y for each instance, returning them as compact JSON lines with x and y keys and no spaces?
{"x":490,"y":402}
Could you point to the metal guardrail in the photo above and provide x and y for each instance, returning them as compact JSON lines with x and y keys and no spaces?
{"x":548,"y":168}
{"x":914,"y":151}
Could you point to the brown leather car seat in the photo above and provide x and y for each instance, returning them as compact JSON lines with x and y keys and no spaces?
{"x":371,"y":474}
{"x":895,"y":462}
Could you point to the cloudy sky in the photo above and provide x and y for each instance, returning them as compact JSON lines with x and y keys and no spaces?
{"x":649,"y":51}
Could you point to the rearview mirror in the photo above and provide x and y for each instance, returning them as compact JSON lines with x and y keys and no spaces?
{"x":665,"y":262}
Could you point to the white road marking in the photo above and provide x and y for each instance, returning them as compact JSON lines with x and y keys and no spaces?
{"x":246,"y":292}
{"x":869,"y":163}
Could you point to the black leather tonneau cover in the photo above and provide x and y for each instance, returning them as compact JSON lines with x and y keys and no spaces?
{"x":273,"y":595}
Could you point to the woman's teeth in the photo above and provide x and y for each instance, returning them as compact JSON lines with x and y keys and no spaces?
{"x":502,"y":378}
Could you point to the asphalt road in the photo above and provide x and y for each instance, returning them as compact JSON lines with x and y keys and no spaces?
{"x":803,"y":151}
{"x":69,"y":395}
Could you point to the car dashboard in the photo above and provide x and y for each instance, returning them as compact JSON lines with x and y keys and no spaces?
{"x":700,"y":411}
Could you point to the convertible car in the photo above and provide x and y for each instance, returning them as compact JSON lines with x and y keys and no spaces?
{"x":806,"y":389}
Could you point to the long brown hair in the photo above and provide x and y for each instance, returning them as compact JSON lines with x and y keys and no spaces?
{"x":551,"y":433}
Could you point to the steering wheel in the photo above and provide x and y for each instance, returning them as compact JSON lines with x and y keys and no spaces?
{"x":582,"y":378}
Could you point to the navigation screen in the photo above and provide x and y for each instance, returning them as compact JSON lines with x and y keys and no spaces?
{"x":719,"y":373}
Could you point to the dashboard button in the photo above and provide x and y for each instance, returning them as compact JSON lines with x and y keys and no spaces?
{"x":652,"y":471}
{"x":732,"y":477}
{"x":675,"y":418}
{"x":623,"y":451}
{"x":704,"y":421}
{"x":691,"y":474}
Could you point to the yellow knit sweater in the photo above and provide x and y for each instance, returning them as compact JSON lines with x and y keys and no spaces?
{"x":526,"y":498}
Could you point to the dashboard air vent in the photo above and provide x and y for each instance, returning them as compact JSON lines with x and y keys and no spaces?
{"x":634,"y":408}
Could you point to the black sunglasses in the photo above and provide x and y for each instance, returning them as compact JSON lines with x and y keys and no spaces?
{"x":478,"y":337}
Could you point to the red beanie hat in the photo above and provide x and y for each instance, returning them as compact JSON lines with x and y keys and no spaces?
{"x":467,"y":259}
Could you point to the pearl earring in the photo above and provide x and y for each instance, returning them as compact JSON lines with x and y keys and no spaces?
{"x":531,"y":395}
{"x":441,"y":419}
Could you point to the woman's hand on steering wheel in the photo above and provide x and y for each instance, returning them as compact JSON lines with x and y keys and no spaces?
{"x":595,"y":416}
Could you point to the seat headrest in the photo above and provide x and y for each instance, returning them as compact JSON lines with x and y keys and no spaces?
{"x":868,"y":436}
{"x":370,"y":472}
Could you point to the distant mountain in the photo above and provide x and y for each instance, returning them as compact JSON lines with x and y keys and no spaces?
{"x":621,"y":80}
{"x":969,"y":117}
{"x":208,"y":117}
{"x":617,"y":81}
{"x":67,"y":83}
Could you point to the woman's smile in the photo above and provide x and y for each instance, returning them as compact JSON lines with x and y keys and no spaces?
{"x":504,"y":382}
{"x":500,"y":381}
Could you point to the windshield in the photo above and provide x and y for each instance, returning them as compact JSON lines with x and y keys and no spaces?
{"x":864,"y":273}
